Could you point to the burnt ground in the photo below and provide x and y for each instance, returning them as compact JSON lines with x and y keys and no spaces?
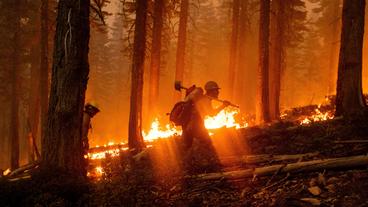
{"x":160,"y":176}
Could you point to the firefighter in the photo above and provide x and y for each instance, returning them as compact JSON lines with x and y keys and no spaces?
{"x":90,"y":110}
{"x":201,"y":107}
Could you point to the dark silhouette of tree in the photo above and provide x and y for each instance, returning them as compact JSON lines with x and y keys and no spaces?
{"x":335,"y":26}
{"x":349,"y":95}
{"x":158,"y":14}
{"x":44,"y":67}
{"x":135,"y":139}
{"x":287,"y":25}
{"x":277,"y":56}
{"x":16,"y":6}
{"x":62,"y":144}
{"x":233,"y":46}
{"x":182,"y":39}
{"x":262,"y":107}
{"x":244,"y":74}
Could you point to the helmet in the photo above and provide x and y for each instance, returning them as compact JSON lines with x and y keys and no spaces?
{"x":211,"y":85}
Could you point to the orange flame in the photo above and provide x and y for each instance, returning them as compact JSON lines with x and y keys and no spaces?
{"x":317,"y":116}
{"x":156,"y":132}
{"x":226,"y":118}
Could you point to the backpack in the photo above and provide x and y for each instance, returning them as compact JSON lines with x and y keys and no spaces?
{"x":181,"y":113}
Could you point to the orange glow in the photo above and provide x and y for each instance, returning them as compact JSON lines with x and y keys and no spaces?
{"x":6,"y":172}
{"x":317,"y":116}
{"x":156,"y":132}
{"x":226,"y":118}
{"x":102,"y":155}
{"x":96,"y":172}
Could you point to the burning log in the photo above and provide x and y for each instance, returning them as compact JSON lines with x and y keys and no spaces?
{"x":255,"y":159}
{"x":107,"y":147}
{"x":308,"y":166}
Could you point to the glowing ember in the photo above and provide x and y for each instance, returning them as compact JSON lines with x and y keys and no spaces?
{"x":317,"y":116}
{"x":99,"y":170}
{"x":7,"y":172}
{"x":103,"y":154}
{"x":96,"y":172}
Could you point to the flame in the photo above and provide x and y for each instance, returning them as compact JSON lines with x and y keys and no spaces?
{"x":226,"y":118}
{"x":317,"y":116}
{"x":6,"y":172}
{"x":104,"y":154}
{"x":96,"y":172}
{"x":156,"y":132}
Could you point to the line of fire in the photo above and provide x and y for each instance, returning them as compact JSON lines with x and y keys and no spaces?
{"x":183,"y":103}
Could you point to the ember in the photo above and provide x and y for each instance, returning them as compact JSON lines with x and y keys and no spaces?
{"x":96,"y":172}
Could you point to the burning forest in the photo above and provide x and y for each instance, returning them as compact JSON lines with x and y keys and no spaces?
{"x":183,"y":103}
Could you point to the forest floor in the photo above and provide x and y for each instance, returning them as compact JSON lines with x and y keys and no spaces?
{"x":165,"y":175}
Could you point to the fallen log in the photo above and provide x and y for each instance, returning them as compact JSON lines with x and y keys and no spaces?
{"x":25,"y":177}
{"x":308,"y":166}
{"x":254,"y":159}
{"x":22,"y":169}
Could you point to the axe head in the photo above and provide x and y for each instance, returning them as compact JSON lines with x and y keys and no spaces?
{"x":178,"y":85}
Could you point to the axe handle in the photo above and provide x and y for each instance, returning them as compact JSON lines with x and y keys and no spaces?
{"x":222,"y":101}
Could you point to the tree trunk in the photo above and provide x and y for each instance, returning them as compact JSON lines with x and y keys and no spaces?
{"x":349,"y":95}
{"x":15,"y":81}
{"x":241,"y":93}
{"x":277,"y":51}
{"x":262,"y":106}
{"x":34,"y":105}
{"x":334,"y":48}
{"x":155,"y":57}
{"x":62,"y":144}
{"x":135,"y":119}
{"x":44,"y":67}
{"x":182,"y":38}
{"x":233,"y":47}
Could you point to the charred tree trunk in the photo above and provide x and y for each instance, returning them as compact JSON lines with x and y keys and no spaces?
{"x":349,"y":95}
{"x":44,"y":67}
{"x":182,"y":39}
{"x":135,"y":119}
{"x":14,"y":117}
{"x":277,"y":60}
{"x":234,"y":47}
{"x":262,"y":107}
{"x":155,"y":57}
{"x":62,"y":148}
